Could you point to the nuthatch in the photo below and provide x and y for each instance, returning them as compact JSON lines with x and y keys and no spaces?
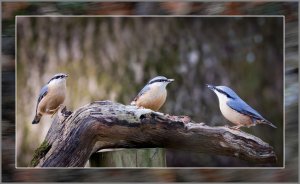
{"x":154,"y":94}
{"x":51,"y":96}
{"x":236,"y":110}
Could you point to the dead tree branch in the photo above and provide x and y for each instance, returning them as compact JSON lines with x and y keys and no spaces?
{"x":104,"y":124}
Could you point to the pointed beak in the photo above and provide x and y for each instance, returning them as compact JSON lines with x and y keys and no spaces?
{"x":171,"y":80}
{"x":210,"y":86}
{"x":66,"y":75}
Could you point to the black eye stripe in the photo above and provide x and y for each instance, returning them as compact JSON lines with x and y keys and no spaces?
{"x":224,"y":93}
{"x":158,"y":80}
{"x":56,"y":77}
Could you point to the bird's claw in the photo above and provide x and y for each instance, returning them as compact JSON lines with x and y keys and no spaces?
{"x":54,"y":111}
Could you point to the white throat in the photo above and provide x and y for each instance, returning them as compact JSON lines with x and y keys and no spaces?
{"x":57,"y":83}
{"x":159,"y":85}
{"x":222,"y":98}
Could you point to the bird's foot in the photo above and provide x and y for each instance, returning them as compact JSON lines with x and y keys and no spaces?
{"x":53,"y":114}
{"x":54,"y":111}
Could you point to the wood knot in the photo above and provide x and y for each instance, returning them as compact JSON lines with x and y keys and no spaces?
{"x":65,"y":112}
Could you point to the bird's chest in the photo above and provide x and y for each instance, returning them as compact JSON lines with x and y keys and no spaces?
{"x":153,"y":99}
{"x":58,"y":90}
{"x":234,"y":116}
{"x":158,"y":93}
{"x":56,"y":96}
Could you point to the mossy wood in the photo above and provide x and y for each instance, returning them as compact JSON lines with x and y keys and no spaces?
{"x":74,"y":137}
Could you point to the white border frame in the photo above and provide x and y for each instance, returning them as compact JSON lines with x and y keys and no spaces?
{"x":130,"y":16}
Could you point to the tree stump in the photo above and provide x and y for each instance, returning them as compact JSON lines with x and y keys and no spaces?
{"x":74,"y":137}
{"x":150,"y":157}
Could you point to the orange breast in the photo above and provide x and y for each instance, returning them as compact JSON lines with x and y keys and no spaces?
{"x":51,"y":101}
{"x":153,"y":100}
{"x":234,"y":116}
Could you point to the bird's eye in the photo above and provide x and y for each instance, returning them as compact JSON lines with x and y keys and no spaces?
{"x":58,"y":77}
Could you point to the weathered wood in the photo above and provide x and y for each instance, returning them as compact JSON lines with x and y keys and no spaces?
{"x":105,"y":124}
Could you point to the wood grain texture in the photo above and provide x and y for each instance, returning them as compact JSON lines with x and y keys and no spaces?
{"x":130,"y":158}
{"x":105,"y":124}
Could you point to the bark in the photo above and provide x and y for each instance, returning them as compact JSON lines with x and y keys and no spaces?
{"x":73,"y":137}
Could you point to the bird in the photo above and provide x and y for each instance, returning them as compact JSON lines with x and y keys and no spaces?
{"x":236,"y":110}
{"x":153,"y":95}
{"x":51,"y":97}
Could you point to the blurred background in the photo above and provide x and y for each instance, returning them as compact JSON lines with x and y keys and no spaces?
{"x":112,"y":59}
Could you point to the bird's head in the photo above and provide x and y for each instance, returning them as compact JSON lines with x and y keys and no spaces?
{"x":223,"y":91}
{"x":58,"y":78}
{"x":160,"y":81}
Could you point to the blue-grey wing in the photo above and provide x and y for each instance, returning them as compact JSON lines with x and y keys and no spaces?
{"x":144,"y":90}
{"x":43,"y":93}
{"x":243,"y":108}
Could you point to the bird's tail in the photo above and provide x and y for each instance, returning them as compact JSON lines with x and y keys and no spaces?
{"x":268,"y":123}
{"x":37,"y":119}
